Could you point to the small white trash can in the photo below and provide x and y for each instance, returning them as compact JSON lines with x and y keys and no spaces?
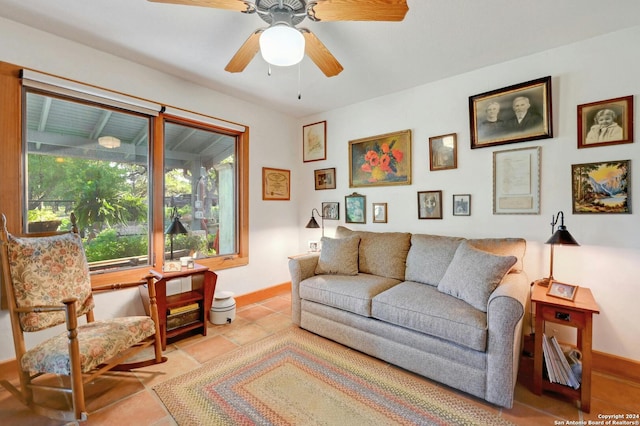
{"x":223,"y":309}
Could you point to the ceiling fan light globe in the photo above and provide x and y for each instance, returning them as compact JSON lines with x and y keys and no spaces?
{"x":282,"y":45}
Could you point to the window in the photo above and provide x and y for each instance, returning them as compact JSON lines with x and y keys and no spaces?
{"x":122,"y":188}
{"x":200,"y":189}
{"x":93,"y":161}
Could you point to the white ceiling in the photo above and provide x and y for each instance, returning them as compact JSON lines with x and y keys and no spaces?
{"x":437,"y":39}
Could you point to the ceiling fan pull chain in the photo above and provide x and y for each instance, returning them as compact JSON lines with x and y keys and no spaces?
{"x":299,"y":85}
{"x":269,"y":70}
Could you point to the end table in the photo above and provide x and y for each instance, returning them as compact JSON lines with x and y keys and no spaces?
{"x":577,"y":313}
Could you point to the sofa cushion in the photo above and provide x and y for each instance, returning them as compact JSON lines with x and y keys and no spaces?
{"x":473,"y":274}
{"x":380,"y":253}
{"x":347,"y":292}
{"x":429,"y":257}
{"x":503,"y":247}
{"x":339,"y":256}
{"x":423,"y":308}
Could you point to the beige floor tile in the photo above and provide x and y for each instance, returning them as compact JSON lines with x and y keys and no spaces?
{"x":207,"y":349}
{"x":247,"y":334}
{"x":254,"y":312}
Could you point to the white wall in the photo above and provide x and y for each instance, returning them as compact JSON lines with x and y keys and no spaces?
{"x":608,"y":261}
{"x":272,"y":224}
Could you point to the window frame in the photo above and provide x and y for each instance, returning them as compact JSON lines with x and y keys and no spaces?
{"x":12,"y":196}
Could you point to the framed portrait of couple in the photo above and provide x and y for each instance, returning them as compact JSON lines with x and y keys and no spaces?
{"x":517,"y":113}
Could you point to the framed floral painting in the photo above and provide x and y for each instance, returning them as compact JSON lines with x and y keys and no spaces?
{"x":380,"y":160}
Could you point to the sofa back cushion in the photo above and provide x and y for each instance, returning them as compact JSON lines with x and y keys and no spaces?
{"x":429,"y":257}
{"x":380,"y":253}
{"x":339,"y":256}
{"x":503,"y":247}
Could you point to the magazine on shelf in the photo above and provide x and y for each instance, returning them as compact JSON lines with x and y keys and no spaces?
{"x":558,"y":368}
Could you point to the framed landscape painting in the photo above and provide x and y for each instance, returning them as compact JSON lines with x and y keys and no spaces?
{"x":380,"y":160}
{"x":603,"y":187}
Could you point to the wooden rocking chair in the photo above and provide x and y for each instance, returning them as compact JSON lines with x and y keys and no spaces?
{"x":47,"y":283}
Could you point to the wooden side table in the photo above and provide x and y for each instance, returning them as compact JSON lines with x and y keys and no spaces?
{"x":203,"y":286}
{"x":577,"y":313}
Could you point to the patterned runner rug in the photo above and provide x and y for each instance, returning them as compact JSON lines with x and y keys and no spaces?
{"x":298,"y":378}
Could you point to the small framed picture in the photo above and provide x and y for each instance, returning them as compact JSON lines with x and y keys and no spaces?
{"x":276,"y":184}
{"x":562,"y":290}
{"x":325,"y":178}
{"x":331,"y":210}
{"x":443,"y":152}
{"x":172,"y":266}
{"x":607,"y":122}
{"x":430,"y":205}
{"x":461,"y":205}
{"x":379,"y":212}
{"x":314,"y":246}
{"x":355,"y":208}
{"x":314,"y":142}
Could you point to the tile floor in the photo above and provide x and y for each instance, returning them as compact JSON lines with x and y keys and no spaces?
{"x":127,"y":399}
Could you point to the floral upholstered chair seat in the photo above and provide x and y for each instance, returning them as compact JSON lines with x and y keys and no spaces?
{"x":99,"y":341}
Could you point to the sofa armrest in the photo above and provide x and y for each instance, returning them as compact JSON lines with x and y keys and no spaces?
{"x":300,"y":268}
{"x":505,"y":313}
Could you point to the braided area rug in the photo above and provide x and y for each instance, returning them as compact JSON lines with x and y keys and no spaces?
{"x":297,"y":378}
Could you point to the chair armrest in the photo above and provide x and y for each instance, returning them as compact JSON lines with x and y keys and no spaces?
{"x":41,"y":308}
{"x":300,"y":268}
{"x":505,"y":313}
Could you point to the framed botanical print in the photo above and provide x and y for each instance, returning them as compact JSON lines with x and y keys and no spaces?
{"x":355,"y":208}
{"x":380,"y":160}
{"x":314,"y":142}
{"x":276,"y":184}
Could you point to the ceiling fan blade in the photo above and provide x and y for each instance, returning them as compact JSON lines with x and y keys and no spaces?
{"x":320,"y":55}
{"x":357,"y":10}
{"x":245,"y":54}
{"x":237,"y":5}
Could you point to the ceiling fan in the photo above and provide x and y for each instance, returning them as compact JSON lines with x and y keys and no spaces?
{"x":282,"y":37}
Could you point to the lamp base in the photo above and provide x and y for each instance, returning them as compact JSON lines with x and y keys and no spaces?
{"x":543,"y":282}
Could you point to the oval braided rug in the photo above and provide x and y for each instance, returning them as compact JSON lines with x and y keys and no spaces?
{"x":297,"y":378}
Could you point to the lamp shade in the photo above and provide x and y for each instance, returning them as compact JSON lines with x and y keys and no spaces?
{"x":176,"y":227}
{"x":312,"y":223}
{"x":282,"y":45}
{"x":562,"y":237}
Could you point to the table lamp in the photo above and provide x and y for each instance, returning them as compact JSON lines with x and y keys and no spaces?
{"x":176,"y":227}
{"x":561,"y":237}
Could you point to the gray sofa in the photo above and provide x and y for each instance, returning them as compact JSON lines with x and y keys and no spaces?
{"x":450,"y":309}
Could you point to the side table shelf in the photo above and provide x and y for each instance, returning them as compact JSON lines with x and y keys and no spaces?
{"x":185,"y":312}
{"x":577,"y":313}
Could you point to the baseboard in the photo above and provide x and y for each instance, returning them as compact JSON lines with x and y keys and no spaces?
{"x":8,"y":369}
{"x":263,"y":294}
{"x":616,"y":366}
